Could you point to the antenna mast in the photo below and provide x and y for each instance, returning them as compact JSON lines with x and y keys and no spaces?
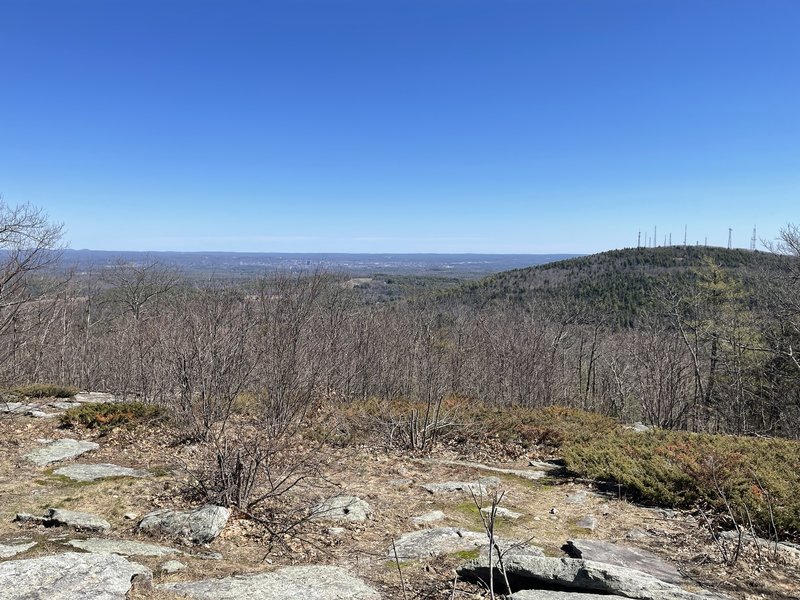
{"x":730,"y":232}
{"x":753,"y":239}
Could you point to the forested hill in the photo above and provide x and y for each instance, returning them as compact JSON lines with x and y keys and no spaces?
{"x":619,"y":284}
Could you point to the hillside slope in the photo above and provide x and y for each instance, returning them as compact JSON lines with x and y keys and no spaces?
{"x":620,"y":283}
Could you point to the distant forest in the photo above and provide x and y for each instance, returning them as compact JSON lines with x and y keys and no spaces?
{"x":692,"y":338}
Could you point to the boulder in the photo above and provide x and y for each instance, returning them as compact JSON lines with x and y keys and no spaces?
{"x":99,"y":471}
{"x":9,"y":550}
{"x":542,"y":468}
{"x":624,"y":556}
{"x":343,"y":508}
{"x":199,"y":525}
{"x":121,"y":547}
{"x":315,"y":582}
{"x":426,"y":543}
{"x":507,"y":548}
{"x":502,"y":513}
{"x":578,"y":497}
{"x":60,"y":450}
{"x":80,"y":521}
{"x":572,"y":574}
{"x":69,"y":576}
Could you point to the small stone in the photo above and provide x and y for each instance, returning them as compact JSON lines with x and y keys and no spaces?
{"x":130,"y":516}
{"x":553,"y":511}
{"x":336,"y":531}
{"x":173,"y":566}
{"x":637,"y":534}
{"x":587,"y":522}
{"x":427,"y":518}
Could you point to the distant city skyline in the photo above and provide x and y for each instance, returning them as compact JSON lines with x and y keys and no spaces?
{"x":477,"y":126}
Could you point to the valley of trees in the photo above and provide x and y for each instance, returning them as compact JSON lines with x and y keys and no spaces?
{"x":700,"y":339}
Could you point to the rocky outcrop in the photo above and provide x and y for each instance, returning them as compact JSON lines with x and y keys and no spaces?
{"x":623,"y":556}
{"x":121,"y":547}
{"x":9,"y":550}
{"x":98,"y":471}
{"x":80,"y":521}
{"x":427,"y":518}
{"x":60,"y":450}
{"x":578,"y":575}
{"x":200,"y":525}
{"x":435,"y":542}
{"x":69,"y":576}
{"x":479,"y":487}
{"x":307,"y":582}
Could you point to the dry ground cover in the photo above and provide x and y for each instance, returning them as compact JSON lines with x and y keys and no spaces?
{"x":389,"y":479}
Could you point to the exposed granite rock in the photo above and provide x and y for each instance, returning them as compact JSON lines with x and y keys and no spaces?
{"x":502,"y":512}
{"x":200,"y":525}
{"x":121,"y":547}
{"x":479,"y":487}
{"x":434,"y":542}
{"x":624,"y":556}
{"x":427,"y":518}
{"x":78,"y":472}
{"x":315,"y":582}
{"x":80,"y":521}
{"x":60,"y":450}
{"x":69,"y":576}
{"x":343,"y":508}
{"x":9,"y":550}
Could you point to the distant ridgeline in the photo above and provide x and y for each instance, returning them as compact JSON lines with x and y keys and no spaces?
{"x":616,"y":287}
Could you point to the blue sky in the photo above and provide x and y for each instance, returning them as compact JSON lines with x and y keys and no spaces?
{"x":401,"y":125}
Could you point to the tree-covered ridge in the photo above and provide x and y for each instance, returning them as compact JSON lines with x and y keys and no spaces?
{"x":619,"y":285}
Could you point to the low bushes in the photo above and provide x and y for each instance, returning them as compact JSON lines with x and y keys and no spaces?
{"x":45,"y":390}
{"x":741,"y":479}
{"x":107,"y":415}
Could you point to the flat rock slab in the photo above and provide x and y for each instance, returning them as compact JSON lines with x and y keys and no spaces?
{"x":93,"y":397}
{"x":624,"y":556}
{"x":173,"y":566}
{"x":577,"y":497}
{"x":435,"y":542}
{"x":68,"y":576}
{"x":524,"y":473}
{"x":429,"y":517}
{"x":307,"y":582}
{"x":553,"y":595}
{"x":200,"y":525}
{"x":80,"y":521}
{"x":579,"y":575}
{"x":98,"y":471}
{"x":479,"y":487}
{"x":9,"y":550}
{"x":60,"y":450}
{"x":343,"y":508}
{"x":64,"y":405}
{"x":507,"y":548}
{"x":121,"y":547}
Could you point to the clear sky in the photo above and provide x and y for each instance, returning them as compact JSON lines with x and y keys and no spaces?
{"x":401,"y":125}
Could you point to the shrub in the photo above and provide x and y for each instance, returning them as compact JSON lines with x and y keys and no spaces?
{"x":758,"y":478}
{"x":107,"y":415}
{"x":45,"y":390}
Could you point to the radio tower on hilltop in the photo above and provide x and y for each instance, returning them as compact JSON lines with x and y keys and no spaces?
{"x":753,"y":239}
{"x":730,"y":233}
